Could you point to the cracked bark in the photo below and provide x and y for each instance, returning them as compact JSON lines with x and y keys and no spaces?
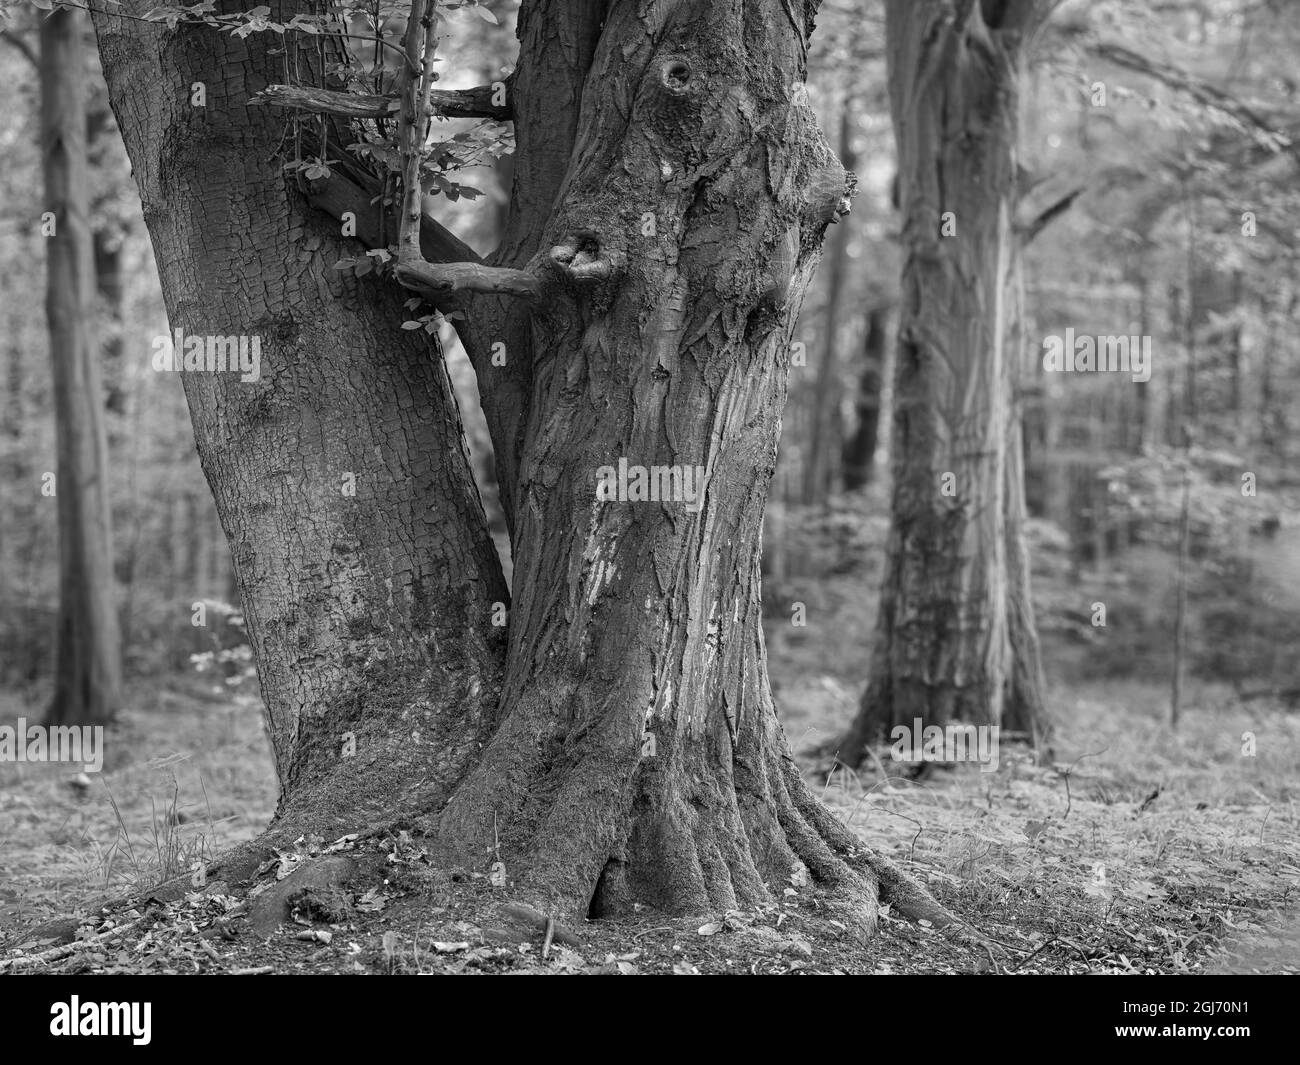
{"x":369,"y":613}
{"x":665,"y":344}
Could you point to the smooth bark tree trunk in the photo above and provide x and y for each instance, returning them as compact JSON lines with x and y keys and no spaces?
{"x":88,"y":667}
{"x":953,"y":640}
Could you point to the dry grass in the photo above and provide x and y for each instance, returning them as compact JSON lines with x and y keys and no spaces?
{"x":185,"y":775}
{"x":1136,"y":850}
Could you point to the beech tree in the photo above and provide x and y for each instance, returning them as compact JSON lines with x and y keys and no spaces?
{"x":616,"y":740}
{"x":955,"y":637}
{"x":88,"y":667}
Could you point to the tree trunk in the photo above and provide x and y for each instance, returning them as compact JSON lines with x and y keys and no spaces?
{"x":817,"y":485}
{"x":340,"y":475}
{"x":859,"y":454}
{"x":641,"y":749}
{"x":108,"y":243}
{"x":1024,"y":711}
{"x":1145,"y":394}
{"x":953,"y":639}
{"x":660,"y":340}
{"x":88,"y":677}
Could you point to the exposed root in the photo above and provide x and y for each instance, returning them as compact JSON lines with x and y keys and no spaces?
{"x":893,"y":886}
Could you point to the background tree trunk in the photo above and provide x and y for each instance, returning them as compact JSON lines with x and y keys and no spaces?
{"x":859,"y":453}
{"x":817,"y":485}
{"x":954,"y":611}
{"x":88,"y":667}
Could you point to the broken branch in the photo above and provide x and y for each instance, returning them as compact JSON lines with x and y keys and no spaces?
{"x":438,"y":280}
{"x":449,"y":103}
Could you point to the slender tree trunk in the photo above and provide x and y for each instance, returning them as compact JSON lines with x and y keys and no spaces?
{"x":859,"y":455}
{"x":88,"y":678}
{"x":1180,"y":606}
{"x":1145,"y":393}
{"x":1237,"y":354}
{"x":817,"y":482}
{"x":1024,"y":710}
{"x":955,"y":615}
{"x":1177,"y":389}
{"x":1263,"y":437}
{"x":107,"y":239}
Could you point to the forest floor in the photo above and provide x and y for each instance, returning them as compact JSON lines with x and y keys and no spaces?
{"x":1133,"y":851}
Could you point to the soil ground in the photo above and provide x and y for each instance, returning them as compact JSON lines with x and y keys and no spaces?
{"x":1134,"y":851}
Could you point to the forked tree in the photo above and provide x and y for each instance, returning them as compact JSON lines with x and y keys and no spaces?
{"x":616,"y":741}
{"x":955,"y":639}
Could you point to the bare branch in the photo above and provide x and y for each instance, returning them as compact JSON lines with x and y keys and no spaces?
{"x":1029,"y":228}
{"x":458,"y":103}
{"x":1199,"y":90}
{"x":413,"y":123}
{"x":1024,"y":16}
{"x":22,"y":46}
{"x":473,"y":103}
{"x":338,"y":196}
{"x":438,"y":281}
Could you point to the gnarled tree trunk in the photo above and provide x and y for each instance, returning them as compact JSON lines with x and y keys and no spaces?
{"x":671,"y":190}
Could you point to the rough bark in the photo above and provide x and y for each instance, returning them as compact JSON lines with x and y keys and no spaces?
{"x":954,"y":633}
{"x":662,"y":344}
{"x":664,"y":347}
{"x":88,"y":667}
{"x":369,"y":613}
